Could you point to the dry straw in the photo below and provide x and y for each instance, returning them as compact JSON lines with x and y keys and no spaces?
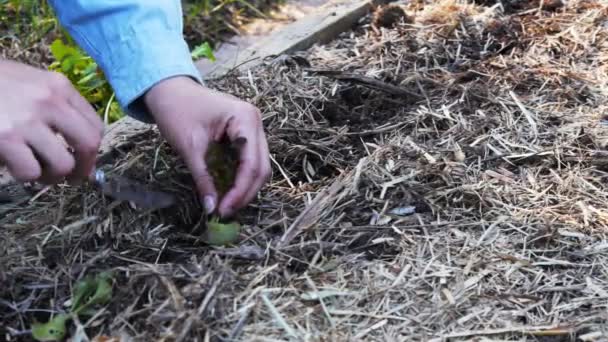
{"x":476,"y":208}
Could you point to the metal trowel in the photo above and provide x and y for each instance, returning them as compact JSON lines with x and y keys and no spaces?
{"x":125,"y":189}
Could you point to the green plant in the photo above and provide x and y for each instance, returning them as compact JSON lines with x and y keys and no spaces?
{"x":86,"y":76}
{"x":87,"y":293}
{"x":221,"y":234}
{"x":203,"y":50}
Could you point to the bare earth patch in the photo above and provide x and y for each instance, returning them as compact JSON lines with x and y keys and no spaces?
{"x":439,"y":179}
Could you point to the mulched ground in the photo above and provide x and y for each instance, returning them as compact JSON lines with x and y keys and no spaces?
{"x":437,"y":177}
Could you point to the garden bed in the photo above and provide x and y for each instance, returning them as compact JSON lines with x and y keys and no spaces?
{"x":437,"y":176}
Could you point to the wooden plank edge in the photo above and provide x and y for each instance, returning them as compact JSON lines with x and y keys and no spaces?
{"x":317,"y":28}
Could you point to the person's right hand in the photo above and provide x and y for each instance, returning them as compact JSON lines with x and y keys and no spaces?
{"x":35,"y":106}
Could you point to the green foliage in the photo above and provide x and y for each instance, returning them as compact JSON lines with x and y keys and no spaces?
{"x":91,"y":291}
{"x":221,"y":234}
{"x":86,"y":77}
{"x":53,"y":330}
{"x":203,"y":50}
{"x":88,"y":292}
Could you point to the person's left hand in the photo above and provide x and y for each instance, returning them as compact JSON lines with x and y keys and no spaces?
{"x":190,"y":116}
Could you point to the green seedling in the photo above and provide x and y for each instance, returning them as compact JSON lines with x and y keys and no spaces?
{"x":92,"y":291}
{"x":203,"y":50}
{"x":221,"y":234}
{"x":88,"y":292}
{"x":53,"y":330}
{"x":222,"y":161}
{"x":81,"y":290}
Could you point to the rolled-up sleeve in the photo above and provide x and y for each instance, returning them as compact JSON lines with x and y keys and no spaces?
{"x":137,"y":43}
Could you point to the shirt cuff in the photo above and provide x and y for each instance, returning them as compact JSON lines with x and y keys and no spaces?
{"x":138,"y":65}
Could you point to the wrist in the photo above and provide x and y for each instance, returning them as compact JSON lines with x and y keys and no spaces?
{"x":157,"y":96}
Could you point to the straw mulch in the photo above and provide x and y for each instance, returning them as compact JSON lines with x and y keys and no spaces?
{"x":437,"y":177}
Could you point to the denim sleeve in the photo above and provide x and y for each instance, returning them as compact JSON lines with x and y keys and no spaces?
{"x":137,"y":43}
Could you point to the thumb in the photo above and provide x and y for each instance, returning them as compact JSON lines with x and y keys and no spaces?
{"x":195,"y":160}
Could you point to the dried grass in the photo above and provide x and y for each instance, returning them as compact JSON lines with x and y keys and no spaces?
{"x":477,"y":212}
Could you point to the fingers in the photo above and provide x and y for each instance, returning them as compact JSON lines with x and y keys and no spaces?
{"x":254,"y":166}
{"x":86,"y":110}
{"x":20,"y":161}
{"x":38,"y":107}
{"x":76,"y":120}
{"x":264,"y":167}
{"x":248,"y":166}
{"x":55,"y":160}
{"x":66,"y":96}
{"x":42,"y":156}
{"x":245,"y":178}
{"x":83,"y":136}
{"x":194,"y":151}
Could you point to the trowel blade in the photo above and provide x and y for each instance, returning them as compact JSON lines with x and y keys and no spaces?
{"x":126,"y":189}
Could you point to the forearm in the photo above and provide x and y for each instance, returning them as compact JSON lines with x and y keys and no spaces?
{"x":137,"y":43}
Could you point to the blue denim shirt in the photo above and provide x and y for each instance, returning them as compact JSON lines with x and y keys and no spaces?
{"x":137,"y":43}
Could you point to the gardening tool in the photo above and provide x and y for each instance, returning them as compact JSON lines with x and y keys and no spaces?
{"x":125,"y":189}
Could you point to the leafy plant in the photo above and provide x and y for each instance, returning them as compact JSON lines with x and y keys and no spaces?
{"x":88,"y":292}
{"x":86,"y":76}
{"x":203,"y":50}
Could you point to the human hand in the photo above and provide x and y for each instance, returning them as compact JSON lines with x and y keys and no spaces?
{"x":190,"y":116}
{"x":35,"y":106}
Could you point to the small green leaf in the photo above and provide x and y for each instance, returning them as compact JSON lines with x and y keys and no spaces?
{"x":81,"y":63}
{"x":58,"y":49}
{"x":55,"y":65}
{"x":82,"y":290}
{"x":203,"y":50}
{"x":61,"y":50}
{"x":54,"y":330}
{"x":86,"y":79}
{"x":103,"y":293}
{"x":93,"y":291}
{"x":67,"y":64}
{"x":221,"y":234}
{"x":91,"y":68}
{"x":115,"y":112}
